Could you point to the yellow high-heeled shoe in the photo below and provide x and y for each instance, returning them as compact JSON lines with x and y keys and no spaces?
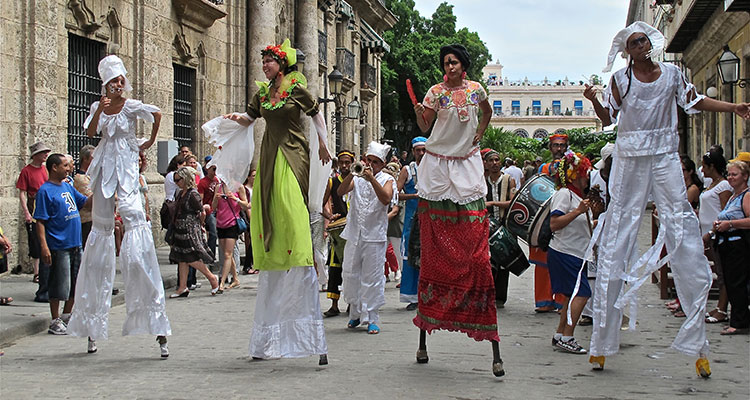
{"x":597,"y":362}
{"x":702,"y":367}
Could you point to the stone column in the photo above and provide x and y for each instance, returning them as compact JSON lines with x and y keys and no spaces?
{"x":262,"y":33}
{"x":307,"y":41}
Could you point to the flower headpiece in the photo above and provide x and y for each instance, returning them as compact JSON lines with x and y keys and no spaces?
{"x":570,"y":167}
{"x":283,"y":52}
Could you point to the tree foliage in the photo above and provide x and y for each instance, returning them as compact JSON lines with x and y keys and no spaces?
{"x":508,"y":144}
{"x":415,"y":47}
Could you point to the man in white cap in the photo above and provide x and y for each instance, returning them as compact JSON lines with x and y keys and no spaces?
{"x":31,"y":178}
{"x":643,"y":98}
{"x":366,"y":240}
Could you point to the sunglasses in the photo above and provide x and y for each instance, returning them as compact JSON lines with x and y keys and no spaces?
{"x":177,"y":179}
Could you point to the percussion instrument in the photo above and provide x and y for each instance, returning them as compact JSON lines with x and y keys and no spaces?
{"x":505,"y":253}
{"x":337,"y":225}
{"x":529,"y":208}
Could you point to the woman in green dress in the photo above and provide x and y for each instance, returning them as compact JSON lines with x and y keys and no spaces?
{"x":288,"y":321}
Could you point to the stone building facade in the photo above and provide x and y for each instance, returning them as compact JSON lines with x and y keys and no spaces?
{"x":194,"y":59}
{"x":696,"y":32}
{"x":537,"y":109}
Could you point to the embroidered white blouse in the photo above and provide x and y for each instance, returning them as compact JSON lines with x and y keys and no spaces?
{"x":116,"y":157}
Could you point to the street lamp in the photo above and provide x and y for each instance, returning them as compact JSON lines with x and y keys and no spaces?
{"x":729,"y":68}
{"x":353,"y":109}
{"x":336,"y":81}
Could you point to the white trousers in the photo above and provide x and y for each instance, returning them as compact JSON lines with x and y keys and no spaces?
{"x":288,"y":322}
{"x":364,"y":279}
{"x":631,"y":181}
{"x":144,"y":289}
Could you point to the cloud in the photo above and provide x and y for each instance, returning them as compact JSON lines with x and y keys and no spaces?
{"x":542,"y":38}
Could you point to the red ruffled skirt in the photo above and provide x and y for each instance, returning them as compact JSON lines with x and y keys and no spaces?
{"x":456,"y":291}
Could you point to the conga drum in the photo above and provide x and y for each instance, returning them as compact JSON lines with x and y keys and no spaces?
{"x":529,"y":208}
{"x":505,"y":252}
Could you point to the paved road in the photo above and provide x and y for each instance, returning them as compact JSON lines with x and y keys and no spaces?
{"x":209,"y":358}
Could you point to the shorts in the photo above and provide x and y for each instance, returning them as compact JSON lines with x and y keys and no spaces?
{"x":35,"y":248}
{"x":564,"y":272}
{"x":232,"y":232}
{"x":63,"y":273}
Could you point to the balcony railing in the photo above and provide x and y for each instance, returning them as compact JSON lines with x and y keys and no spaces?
{"x":322,"y":48}
{"x":369,"y":76}
{"x":345,"y":62}
{"x":518,"y":113}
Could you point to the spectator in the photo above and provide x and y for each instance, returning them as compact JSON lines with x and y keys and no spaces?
{"x":192,"y":161}
{"x":31,"y":178}
{"x":514,"y":172}
{"x":733,"y":227}
{"x":5,"y":249}
{"x":227,"y":206}
{"x":185,"y":152}
{"x":59,"y":230}
{"x":500,"y":190}
{"x":187,"y":245}
{"x":81,"y":182}
{"x":170,"y":188}
{"x":404,"y":160}
{"x":207,"y":188}
{"x":248,"y":267}
{"x":528,"y":170}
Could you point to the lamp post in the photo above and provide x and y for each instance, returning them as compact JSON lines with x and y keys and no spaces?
{"x":728,"y":67}
{"x":335,"y":82}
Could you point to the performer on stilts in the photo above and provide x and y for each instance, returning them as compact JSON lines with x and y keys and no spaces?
{"x":407,"y":186}
{"x":114,"y":171}
{"x":643,"y":98}
{"x":456,"y":290}
{"x":288,"y":322}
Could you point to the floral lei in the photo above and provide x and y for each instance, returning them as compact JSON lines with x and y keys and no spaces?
{"x":571,"y":166}
{"x":265,"y":98}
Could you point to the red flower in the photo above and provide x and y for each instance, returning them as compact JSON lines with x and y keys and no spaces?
{"x":219,"y":147}
{"x":284,"y":94}
{"x":263,"y":98}
{"x":294,"y":80}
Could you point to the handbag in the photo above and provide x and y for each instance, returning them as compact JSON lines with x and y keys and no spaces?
{"x":241,"y":223}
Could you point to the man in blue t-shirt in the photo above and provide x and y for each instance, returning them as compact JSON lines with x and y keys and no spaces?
{"x":59,"y":230}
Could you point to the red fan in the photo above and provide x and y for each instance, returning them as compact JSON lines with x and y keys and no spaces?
{"x":410,"y":90}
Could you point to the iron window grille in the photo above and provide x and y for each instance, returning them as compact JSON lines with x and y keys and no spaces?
{"x":184,"y":95}
{"x":84,"y":88}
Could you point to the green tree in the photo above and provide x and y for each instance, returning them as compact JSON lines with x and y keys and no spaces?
{"x":415,"y":47}
{"x":508,"y":144}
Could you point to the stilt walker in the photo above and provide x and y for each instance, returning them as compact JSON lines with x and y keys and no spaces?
{"x":643,"y":98}
{"x":114,"y":171}
{"x":456,"y":291}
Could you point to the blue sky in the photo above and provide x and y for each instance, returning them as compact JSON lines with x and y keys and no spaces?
{"x":538,"y":38}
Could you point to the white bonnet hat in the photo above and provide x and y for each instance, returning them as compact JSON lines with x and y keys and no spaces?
{"x":378,"y":150}
{"x":620,"y":42}
{"x":606,"y":152}
{"x":111,"y":67}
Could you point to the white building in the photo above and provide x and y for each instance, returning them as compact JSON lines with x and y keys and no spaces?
{"x":537,"y":109}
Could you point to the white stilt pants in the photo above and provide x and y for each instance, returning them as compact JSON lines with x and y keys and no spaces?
{"x":364,"y":280}
{"x":144,"y":290}
{"x":631,"y":181}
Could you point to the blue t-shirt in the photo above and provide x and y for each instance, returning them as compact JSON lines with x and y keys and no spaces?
{"x":57,"y":206}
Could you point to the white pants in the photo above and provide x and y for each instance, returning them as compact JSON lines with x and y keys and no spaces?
{"x":364,"y":280}
{"x":144,"y":290}
{"x":631,"y":181}
{"x":288,"y":322}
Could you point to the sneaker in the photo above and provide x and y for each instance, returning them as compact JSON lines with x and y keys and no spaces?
{"x":92,"y":346}
{"x":65,"y":319}
{"x":192,"y":287}
{"x":571,"y":346}
{"x":57,"y":327}
{"x":555,"y":341}
{"x":163,"y":346}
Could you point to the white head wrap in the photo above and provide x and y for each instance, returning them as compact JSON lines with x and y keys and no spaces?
{"x":378,"y":150}
{"x":620,"y":42}
{"x":606,"y":152}
{"x":110,"y":67}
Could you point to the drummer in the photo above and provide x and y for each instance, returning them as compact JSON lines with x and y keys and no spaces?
{"x":543,"y":296}
{"x":500,"y":190}
{"x":339,"y":210}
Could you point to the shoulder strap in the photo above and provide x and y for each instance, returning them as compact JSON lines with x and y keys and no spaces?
{"x":504,"y":183}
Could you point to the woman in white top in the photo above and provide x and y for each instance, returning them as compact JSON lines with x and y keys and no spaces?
{"x":115,"y":171}
{"x":643,"y":99}
{"x":712,"y":201}
{"x":170,"y":187}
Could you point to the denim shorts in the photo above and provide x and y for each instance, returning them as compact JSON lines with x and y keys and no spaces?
{"x":63,"y":273}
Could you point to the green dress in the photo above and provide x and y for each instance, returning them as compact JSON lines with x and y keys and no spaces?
{"x":280,"y":221}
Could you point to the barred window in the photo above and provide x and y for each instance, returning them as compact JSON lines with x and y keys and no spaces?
{"x":184,"y":95}
{"x":84,"y":88}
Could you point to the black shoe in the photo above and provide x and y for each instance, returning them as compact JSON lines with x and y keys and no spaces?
{"x":412,"y":306}
{"x":586,"y":321}
{"x":115,"y":292}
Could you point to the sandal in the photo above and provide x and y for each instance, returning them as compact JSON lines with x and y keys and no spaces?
{"x":4,"y":301}
{"x":679,"y":313}
{"x":235,"y":283}
{"x":373,"y":329}
{"x":729,"y":331}
{"x":711,"y":319}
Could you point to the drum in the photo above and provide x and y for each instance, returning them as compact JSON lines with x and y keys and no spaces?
{"x":337,"y":225}
{"x":529,"y":208}
{"x":505,"y":253}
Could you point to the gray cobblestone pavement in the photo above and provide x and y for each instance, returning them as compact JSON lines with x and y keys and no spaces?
{"x":210,"y":342}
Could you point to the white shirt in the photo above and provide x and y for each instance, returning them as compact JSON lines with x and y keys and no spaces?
{"x":116,"y":157}
{"x":516,"y":174}
{"x":368,"y":217}
{"x":170,"y":188}
{"x":647,"y":122}
{"x":575,"y":236}
{"x":595,"y":178}
{"x":710,"y":205}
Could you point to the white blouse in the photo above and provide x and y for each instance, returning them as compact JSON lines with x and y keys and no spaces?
{"x":648,"y":113}
{"x":710,"y":205}
{"x":368,"y":217}
{"x":116,"y":157}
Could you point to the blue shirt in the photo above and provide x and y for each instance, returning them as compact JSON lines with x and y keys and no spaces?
{"x":57,"y":206}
